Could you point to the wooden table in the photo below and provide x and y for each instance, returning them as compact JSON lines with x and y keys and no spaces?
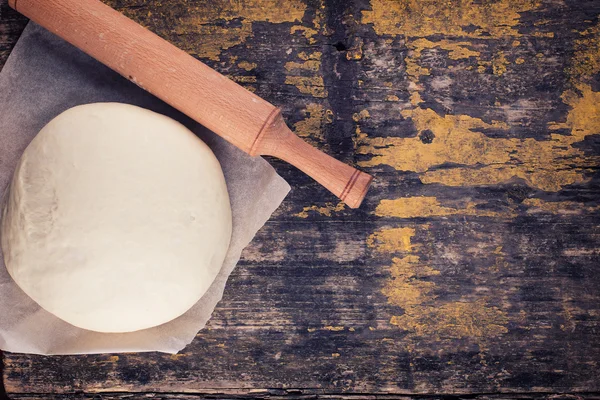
{"x":472,"y":268}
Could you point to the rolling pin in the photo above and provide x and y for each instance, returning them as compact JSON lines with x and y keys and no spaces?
{"x":234,"y":113}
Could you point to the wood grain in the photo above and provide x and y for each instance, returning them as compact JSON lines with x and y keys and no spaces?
{"x":11,"y":26}
{"x":308,"y":394}
{"x":472,"y":266}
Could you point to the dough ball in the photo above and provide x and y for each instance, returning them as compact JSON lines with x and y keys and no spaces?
{"x":117,"y":218}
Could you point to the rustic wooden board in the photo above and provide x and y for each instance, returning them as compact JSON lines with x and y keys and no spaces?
{"x":473,"y":266}
{"x":11,"y":25}
{"x":305,"y":395}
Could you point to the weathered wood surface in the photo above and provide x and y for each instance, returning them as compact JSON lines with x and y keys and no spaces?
{"x":11,"y":25}
{"x":473,"y":265}
{"x":303,"y":395}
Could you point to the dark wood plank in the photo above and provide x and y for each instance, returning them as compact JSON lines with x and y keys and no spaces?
{"x":307,"y":394}
{"x":472,"y":266}
{"x":11,"y":26}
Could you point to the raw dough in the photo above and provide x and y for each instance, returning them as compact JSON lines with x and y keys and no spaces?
{"x":117,"y":218}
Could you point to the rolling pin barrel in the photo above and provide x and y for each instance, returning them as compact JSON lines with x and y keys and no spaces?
{"x":236,"y":114}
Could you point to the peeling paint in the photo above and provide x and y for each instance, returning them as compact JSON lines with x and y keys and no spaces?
{"x":545,"y":164}
{"x":310,"y":65}
{"x":455,"y":320}
{"x":586,"y":58}
{"x":425,"y":18}
{"x":415,"y":207}
{"x":326,"y":210}
{"x":392,"y":240}
{"x":307,"y":76}
{"x":313,"y":126}
{"x":412,"y":288}
{"x":557,"y":207}
{"x":499,"y":64}
{"x":360,"y":116}
{"x":312,"y":85}
{"x":201,"y":37}
{"x":406,"y":289}
{"x":306,"y":31}
{"x":243,"y":78}
{"x":333,"y":328}
{"x":248,"y":66}
{"x":310,"y":56}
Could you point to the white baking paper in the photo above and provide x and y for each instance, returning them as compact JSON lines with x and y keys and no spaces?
{"x":45,"y":76}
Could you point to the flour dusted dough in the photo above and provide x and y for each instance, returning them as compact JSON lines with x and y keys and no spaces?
{"x":117,"y":218}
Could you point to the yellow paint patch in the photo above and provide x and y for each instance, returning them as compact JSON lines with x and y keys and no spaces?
{"x":543,"y":34}
{"x":586,"y":59}
{"x":584,"y":117}
{"x":361,"y":116}
{"x":306,"y":75}
{"x":196,"y":33}
{"x":414,"y":207}
{"x":406,"y":288}
{"x":519,"y":60}
{"x":355,"y":53}
{"x":335,"y":355}
{"x":411,"y":288}
{"x":310,"y":56}
{"x":456,"y":141}
{"x":310,"y":65}
{"x":557,"y":207}
{"x":326,"y":210}
{"x":549,"y":179}
{"x":419,"y":18}
{"x":499,"y":64}
{"x":456,"y":50}
{"x":314,"y":124}
{"x":243,"y":78}
{"x":392,"y":240}
{"x":312,"y":85}
{"x":333,"y":328}
{"x":113,"y":358}
{"x":178,"y":356}
{"x":415,"y":98}
{"x":455,"y":320}
{"x":547,"y":164}
{"x":307,"y":32}
{"x":248,"y":66}
{"x":392,"y":97}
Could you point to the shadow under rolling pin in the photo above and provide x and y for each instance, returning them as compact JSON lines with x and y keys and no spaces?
{"x":234,"y":113}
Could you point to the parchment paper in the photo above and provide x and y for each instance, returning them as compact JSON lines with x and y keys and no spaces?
{"x":45,"y":76}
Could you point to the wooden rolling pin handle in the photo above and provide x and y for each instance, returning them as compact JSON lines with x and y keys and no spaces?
{"x":344,"y":181}
{"x":239,"y":116}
